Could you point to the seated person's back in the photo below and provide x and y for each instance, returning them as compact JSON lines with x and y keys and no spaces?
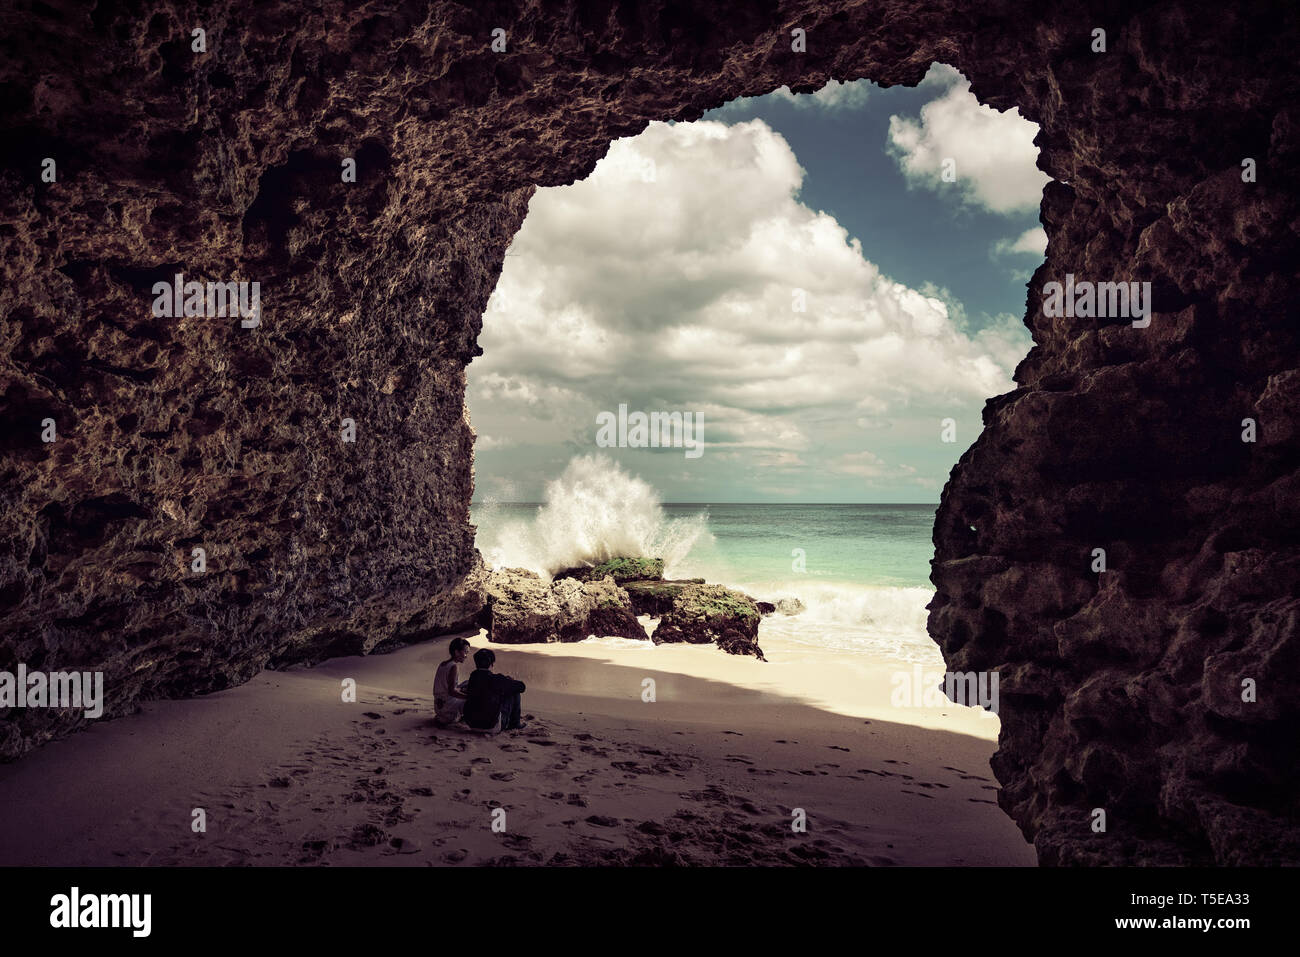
{"x":487,"y":693}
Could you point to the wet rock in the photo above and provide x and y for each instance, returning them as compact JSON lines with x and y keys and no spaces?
{"x":523,"y":608}
{"x":620,"y":569}
{"x":785,"y":606}
{"x":712,"y":613}
{"x":655,"y":598}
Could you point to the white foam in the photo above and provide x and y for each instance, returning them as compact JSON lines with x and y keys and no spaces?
{"x":872,"y":619}
{"x":595,"y":511}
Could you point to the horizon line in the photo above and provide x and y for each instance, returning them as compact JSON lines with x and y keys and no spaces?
{"x":907,"y":504}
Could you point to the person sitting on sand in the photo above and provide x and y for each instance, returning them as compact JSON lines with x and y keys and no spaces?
{"x":492,"y":697}
{"x":448,"y":693}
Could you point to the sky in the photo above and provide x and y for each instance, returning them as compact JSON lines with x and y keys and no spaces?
{"x":831,"y":284}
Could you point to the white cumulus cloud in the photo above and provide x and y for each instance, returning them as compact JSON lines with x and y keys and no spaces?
{"x":993,"y":154}
{"x":1032,"y":242}
{"x":685,"y":274}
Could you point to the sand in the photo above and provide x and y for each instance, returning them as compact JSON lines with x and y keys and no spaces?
{"x":715,"y":771}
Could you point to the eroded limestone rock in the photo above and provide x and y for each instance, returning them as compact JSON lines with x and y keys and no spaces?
{"x":704,"y":614}
{"x":524,"y":608}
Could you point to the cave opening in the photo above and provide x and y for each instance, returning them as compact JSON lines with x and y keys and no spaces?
{"x":753,"y":346}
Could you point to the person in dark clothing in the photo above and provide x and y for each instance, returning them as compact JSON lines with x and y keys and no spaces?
{"x":492,"y":697}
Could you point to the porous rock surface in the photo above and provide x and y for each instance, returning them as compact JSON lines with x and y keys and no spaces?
{"x":712,"y":614}
{"x":523,"y":608}
{"x":622,"y":570}
{"x":655,"y":598}
{"x":1120,"y":690}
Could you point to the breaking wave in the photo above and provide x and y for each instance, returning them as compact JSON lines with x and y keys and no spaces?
{"x":593,"y":512}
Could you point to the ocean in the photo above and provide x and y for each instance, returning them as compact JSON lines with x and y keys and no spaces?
{"x":861,"y":571}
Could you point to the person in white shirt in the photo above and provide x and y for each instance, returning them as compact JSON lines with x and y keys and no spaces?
{"x":448,"y":692}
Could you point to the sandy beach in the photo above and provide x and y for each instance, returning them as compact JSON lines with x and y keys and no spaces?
{"x":713,"y":771}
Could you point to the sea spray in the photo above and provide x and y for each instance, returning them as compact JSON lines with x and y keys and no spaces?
{"x":593,"y":512}
{"x":878,"y":620}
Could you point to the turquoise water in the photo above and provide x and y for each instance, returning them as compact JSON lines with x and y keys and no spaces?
{"x":845,"y":544}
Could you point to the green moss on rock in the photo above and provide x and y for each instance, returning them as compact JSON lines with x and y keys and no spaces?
{"x":704,"y":614}
{"x":620,"y":569}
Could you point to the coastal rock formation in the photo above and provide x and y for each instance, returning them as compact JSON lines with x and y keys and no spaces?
{"x":620,"y":569}
{"x":655,"y":598}
{"x":523,"y":608}
{"x":702,"y":614}
{"x":459,"y":608}
{"x":1121,"y":690}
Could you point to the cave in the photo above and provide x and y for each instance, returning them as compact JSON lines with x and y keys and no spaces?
{"x":129,"y":154}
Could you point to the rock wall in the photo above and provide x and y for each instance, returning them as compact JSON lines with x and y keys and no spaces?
{"x":1119,"y":690}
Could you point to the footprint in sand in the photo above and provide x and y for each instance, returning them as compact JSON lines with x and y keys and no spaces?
{"x":373,"y":715}
{"x":836,"y":747}
{"x":402,"y":845}
{"x":630,"y":767}
{"x":503,"y":776}
{"x":456,"y":856}
{"x":368,"y":835}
